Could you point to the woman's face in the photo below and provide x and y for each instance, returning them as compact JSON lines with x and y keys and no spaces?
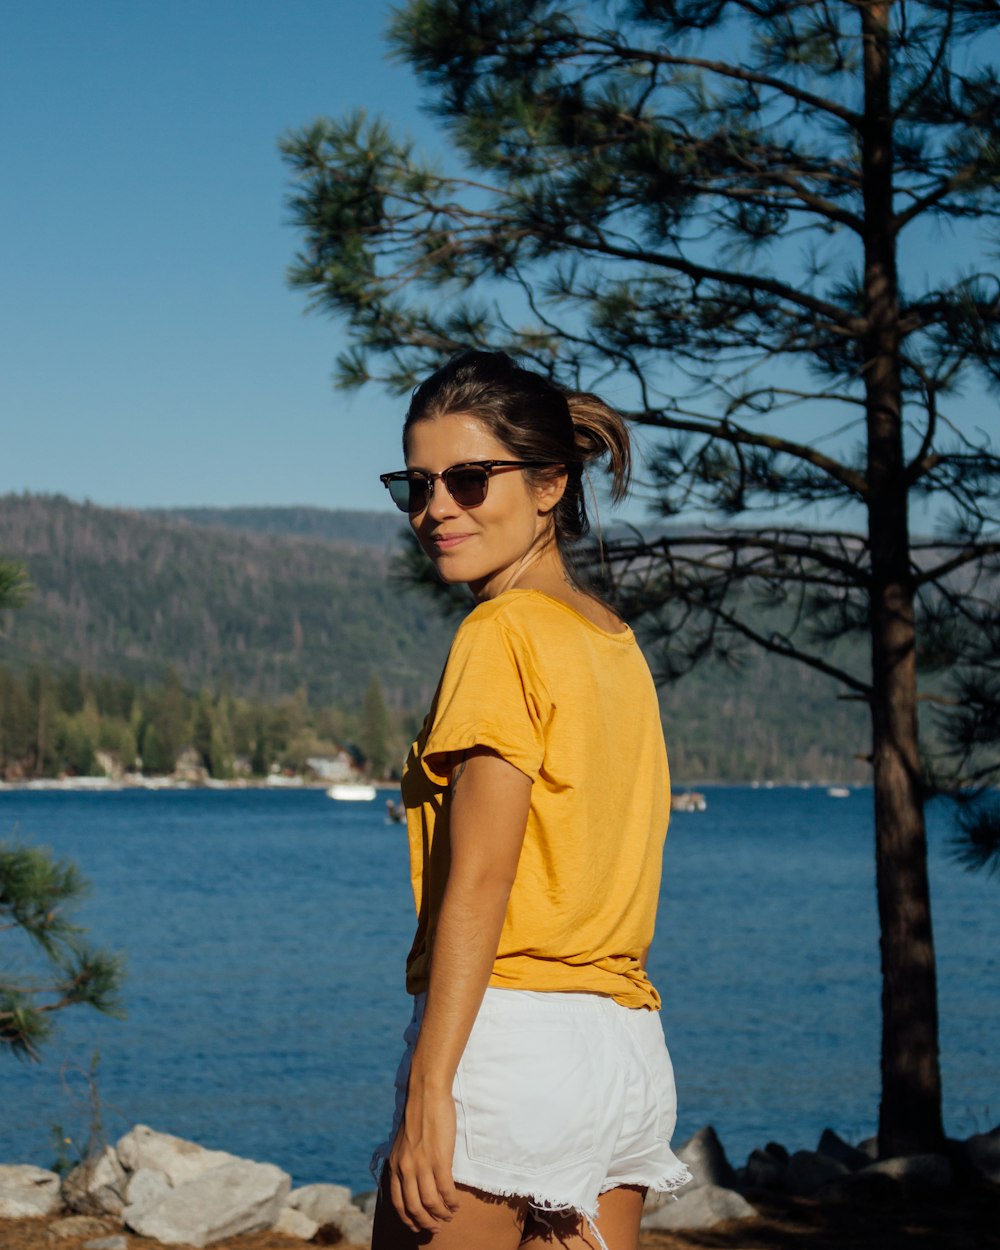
{"x":482,"y":546}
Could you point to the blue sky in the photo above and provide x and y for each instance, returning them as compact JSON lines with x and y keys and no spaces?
{"x":151,"y":352}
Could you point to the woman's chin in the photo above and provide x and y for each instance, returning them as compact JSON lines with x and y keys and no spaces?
{"x":448,"y":573}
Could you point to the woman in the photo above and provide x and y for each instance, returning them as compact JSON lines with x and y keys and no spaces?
{"x":535,"y":1080}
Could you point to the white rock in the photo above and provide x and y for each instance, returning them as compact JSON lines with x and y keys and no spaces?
{"x":177,"y":1159}
{"x":26,"y":1190}
{"x":355,"y":1226}
{"x":145,"y":1186}
{"x":321,"y":1203}
{"x":226,"y":1200}
{"x":97,"y":1184}
{"x":296,"y":1224}
{"x":704,"y":1155}
{"x":367,"y":1200}
{"x":700,"y":1208}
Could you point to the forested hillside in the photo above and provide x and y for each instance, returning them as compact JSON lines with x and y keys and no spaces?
{"x":131,"y":593}
{"x":356,"y":528}
{"x":262,"y":602}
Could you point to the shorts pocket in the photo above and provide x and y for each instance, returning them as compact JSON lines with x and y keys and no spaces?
{"x":529,"y":1095}
{"x":660,"y":1069}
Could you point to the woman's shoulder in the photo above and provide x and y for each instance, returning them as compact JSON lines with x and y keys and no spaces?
{"x":538,"y":609}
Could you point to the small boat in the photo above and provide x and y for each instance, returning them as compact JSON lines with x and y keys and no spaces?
{"x":351,"y":792}
{"x":395,"y":812}
{"x":838,"y":792}
{"x":688,"y":801}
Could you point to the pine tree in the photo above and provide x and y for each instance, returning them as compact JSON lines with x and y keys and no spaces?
{"x":704,"y":209}
{"x":35,"y":894}
{"x":36,"y":891}
{"x":376,"y":728}
{"x":14,"y":585}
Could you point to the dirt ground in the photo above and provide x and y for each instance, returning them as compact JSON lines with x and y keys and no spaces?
{"x":968,"y":1221}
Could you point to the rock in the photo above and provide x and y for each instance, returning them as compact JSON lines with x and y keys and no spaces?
{"x":322,"y":1203}
{"x":334,"y":1210}
{"x":916,"y":1173}
{"x":27,"y":1191}
{"x":835,"y":1147}
{"x":704,"y":1155}
{"x":869,"y":1147}
{"x":777,"y":1151}
{"x":78,"y":1226}
{"x":353,"y":1226}
{"x":700,"y":1208}
{"x":177,"y":1159}
{"x":368,"y":1198}
{"x":764,"y":1171}
{"x":224,"y":1201}
{"x":296,"y":1224}
{"x":145,"y":1186}
{"x":655,"y":1198}
{"x":96,"y":1185}
{"x":118,"y":1242}
{"x":863,"y":1186}
{"x":807,"y":1172}
{"x":982,"y":1152}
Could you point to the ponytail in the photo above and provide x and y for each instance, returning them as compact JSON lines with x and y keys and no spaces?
{"x":597,"y":431}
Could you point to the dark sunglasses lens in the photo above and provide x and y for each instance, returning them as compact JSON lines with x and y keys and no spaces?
{"x":409,"y":494}
{"x":467,"y":486}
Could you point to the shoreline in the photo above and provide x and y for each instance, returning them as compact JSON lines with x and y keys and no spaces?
{"x":115,"y":785}
{"x":112,"y":785}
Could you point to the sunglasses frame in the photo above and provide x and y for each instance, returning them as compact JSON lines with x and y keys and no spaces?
{"x":488,"y":467}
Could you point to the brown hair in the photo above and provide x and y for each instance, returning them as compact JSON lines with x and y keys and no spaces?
{"x":535,"y":420}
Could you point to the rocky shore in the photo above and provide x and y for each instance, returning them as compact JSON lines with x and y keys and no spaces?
{"x":162,"y":1189}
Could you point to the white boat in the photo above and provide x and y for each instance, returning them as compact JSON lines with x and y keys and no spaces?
{"x":838,"y":792}
{"x":351,"y":792}
{"x":687,"y":801}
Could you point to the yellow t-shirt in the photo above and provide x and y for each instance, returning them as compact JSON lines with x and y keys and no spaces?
{"x":575,"y":709}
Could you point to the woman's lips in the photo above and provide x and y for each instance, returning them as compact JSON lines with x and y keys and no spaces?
{"x":447,"y":542}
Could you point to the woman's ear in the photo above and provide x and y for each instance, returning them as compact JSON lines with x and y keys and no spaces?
{"x":549,"y":491}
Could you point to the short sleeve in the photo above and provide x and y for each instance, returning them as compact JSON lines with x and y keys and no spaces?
{"x":489,"y":696}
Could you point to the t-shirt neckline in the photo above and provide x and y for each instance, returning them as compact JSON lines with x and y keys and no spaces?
{"x":619,"y":635}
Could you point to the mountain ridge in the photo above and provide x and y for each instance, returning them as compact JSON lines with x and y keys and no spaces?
{"x":235,"y":600}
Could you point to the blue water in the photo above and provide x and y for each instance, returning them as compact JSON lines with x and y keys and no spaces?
{"x":265,"y":934}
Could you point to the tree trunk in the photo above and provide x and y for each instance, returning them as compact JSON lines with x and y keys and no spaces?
{"x":910,"y":1113}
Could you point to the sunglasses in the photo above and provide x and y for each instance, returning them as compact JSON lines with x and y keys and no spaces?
{"x":410,"y":489}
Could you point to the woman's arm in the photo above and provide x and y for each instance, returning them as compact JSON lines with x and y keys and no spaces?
{"x":489,"y":811}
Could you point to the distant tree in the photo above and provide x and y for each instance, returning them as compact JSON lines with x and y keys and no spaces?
{"x":36,"y":892}
{"x":166,"y":726}
{"x":201,"y":730}
{"x":376,"y":728}
{"x":705,"y":206}
{"x":14,"y":585}
{"x":42,"y":697}
{"x":260,"y":758}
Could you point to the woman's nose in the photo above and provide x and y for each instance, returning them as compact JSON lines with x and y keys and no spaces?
{"x":440,"y":504}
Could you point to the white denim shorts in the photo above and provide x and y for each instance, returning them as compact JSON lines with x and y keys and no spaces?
{"x":559,"y":1098}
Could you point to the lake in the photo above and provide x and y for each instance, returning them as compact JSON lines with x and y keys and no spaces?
{"x":265,"y":934}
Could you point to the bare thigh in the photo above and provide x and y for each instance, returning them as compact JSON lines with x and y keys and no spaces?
{"x":617,"y":1222}
{"x":481,"y":1222}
